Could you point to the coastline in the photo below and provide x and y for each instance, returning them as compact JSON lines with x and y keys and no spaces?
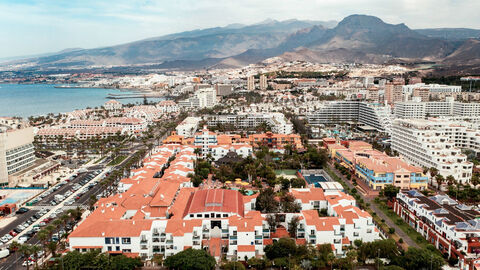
{"x":37,"y":99}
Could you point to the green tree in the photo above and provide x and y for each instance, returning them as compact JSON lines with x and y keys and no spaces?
{"x":293,"y":226}
{"x":266,"y":202}
{"x":232,"y":266}
{"x":390,"y":191}
{"x":26,"y":251}
{"x":195,"y":259}
{"x":416,"y":258}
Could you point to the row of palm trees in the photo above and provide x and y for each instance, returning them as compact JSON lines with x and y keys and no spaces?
{"x":45,"y":237}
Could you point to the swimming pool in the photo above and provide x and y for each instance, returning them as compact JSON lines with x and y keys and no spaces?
{"x":18,"y":196}
{"x":315,"y":179}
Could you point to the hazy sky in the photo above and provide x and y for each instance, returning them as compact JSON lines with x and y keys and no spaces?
{"x":38,"y":26}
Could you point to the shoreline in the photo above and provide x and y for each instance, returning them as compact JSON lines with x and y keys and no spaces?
{"x":136,"y":96}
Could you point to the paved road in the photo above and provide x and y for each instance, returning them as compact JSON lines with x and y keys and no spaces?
{"x":377,"y":210}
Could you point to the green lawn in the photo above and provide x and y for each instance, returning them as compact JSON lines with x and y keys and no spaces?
{"x":117,"y":160}
{"x":414,"y":235}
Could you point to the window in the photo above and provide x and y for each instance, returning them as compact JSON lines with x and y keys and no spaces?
{"x":117,"y":241}
{"x":225,"y":215}
{"x":117,"y":248}
{"x":109,"y":248}
{"x":109,"y":240}
{"x":126,"y":241}
{"x":199,"y":215}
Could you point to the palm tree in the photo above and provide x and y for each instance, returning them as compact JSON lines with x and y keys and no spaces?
{"x":52,"y":247}
{"x":440,"y":180}
{"x":26,"y":250}
{"x":43,"y":236}
{"x":35,"y":249}
{"x":450,"y":180}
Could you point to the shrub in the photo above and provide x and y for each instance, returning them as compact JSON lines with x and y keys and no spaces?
{"x":391,"y":230}
{"x":400,"y":240}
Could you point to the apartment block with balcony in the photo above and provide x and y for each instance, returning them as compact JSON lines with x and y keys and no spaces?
{"x":453,"y":228}
{"x":157,"y":211}
{"x":432,"y":143}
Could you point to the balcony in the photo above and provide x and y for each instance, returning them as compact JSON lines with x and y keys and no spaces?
{"x":143,"y":241}
{"x":205,"y":229}
{"x":143,"y":247}
{"x":196,"y":237}
{"x":169,"y":242}
{"x":258,"y":237}
{"x":224,"y":230}
{"x":266,"y":230}
{"x":233,"y":237}
{"x":312,"y":236}
{"x":301,"y":229}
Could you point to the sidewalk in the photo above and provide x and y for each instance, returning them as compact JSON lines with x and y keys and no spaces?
{"x":377,"y":210}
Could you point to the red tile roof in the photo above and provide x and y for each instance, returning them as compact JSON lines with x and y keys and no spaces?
{"x":215,"y":200}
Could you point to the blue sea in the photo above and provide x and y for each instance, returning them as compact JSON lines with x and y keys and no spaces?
{"x":39,"y":99}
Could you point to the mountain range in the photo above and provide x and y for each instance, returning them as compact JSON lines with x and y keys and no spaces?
{"x":357,"y":38}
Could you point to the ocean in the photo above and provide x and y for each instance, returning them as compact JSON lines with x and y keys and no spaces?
{"x":40,"y":99}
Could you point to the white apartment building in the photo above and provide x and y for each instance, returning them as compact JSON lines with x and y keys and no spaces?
{"x":420,"y":110}
{"x":429,"y":143}
{"x":277,"y":121}
{"x":337,"y":112}
{"x":433,"y":88}
{"x":204,"y":139}
{"x":203,"y":98}
{"x":16,"y":152}
{"x":188,"y":126}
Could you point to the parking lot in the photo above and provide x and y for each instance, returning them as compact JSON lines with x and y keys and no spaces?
{"x":39,"y":212}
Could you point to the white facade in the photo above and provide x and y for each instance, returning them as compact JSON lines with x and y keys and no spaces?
{"x":188,"y":127}
{"x":203,"y":98}
{"x":336,"y":112}
{"x":16,"y":151}
{"x":420,"y":110}
{"x":277,"y":121}
{"x":433,"y":88}
{"x":429,"y":143}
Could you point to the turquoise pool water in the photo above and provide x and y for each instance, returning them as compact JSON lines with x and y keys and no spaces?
{"x":17,"y":196}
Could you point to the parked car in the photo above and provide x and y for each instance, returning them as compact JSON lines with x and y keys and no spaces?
{"x":22,"y":210}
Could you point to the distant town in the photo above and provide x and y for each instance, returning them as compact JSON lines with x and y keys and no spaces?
{"x":276,"y":165}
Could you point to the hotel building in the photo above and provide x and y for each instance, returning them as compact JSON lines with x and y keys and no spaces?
{"x":16,"y":152}
{"x":337,"y":112}
{"x":157,"y":211}
{"x":375,"y":168}
{"x":277,"y":121}
{"x":434,"y":143}
{"x":421,"y":110}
